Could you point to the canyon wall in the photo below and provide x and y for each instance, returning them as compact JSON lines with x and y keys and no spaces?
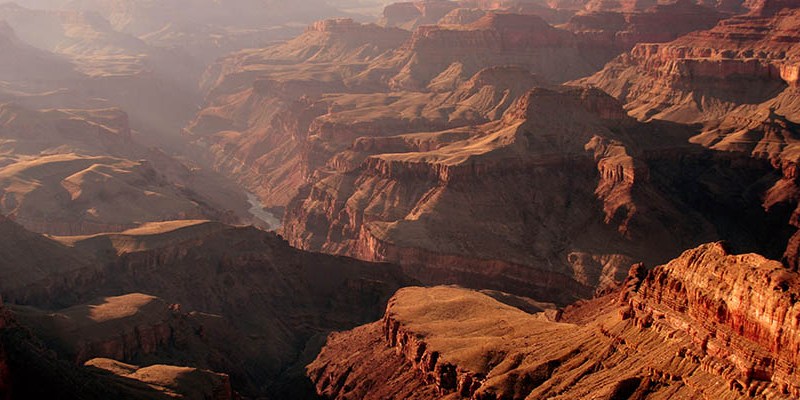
{"x":232,"y":299}
{"x":708,"y":324}
{"x":444,"y":205}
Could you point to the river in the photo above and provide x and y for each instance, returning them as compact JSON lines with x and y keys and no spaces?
{"x":263,"y":218}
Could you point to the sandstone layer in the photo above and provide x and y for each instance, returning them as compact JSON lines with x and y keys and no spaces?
{"x":737,"y":79}
{"x":493,"y":206}
{"x":658,"y":23}
{"x":745,"y":60}
{"x":275,"y":115}
{"x":688,"y":329}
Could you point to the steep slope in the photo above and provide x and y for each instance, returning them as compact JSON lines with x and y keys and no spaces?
{"x":702,"y":76}
{"x":275,"y":133}
{"x":276,"y":116}
{"x":494,"y":206}
{"x":440,"y":57}
{"x":708,"y":325}
{"x":28,"y":369}
{"x":328,"y":52}
{"x":738,"y":79}
{"x":235,"y":300}
{"x":35,"y":266}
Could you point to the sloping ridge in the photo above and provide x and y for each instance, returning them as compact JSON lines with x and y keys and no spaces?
{"x":707,"y":325}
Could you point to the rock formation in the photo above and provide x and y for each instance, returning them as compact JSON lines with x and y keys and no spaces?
{"x":449,"y":54}
{"x":745,"y":60}
{"x":230,"y":299}
{"x":169,"y":381}
{"x":80,"y":171}
{"x":411,"y":14}
{"x":737,"y":79}
{"x":30,"y":369}
{"x":275,"y":115}
{"x":431,"y":201}
{"x":659,"y":23}
{"x":688,"y":329}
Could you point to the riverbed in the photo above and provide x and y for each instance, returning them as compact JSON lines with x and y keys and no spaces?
{"x":262,"y":218}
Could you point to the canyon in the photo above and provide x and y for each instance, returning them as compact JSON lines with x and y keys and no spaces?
{"x":235,"y":299}
{"x":505,"y":199}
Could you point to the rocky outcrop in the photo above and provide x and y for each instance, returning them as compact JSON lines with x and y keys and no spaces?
{"x":230,"y":299}
{"x":706,"y":325}
{"x":659,"y":23}
{"x":172,"y":381}
{"x":425,"y":201}
{"x":699,"y":76}
{"x":737,"y":80}
{"x":740,"y":309}
{"x":446,"y":55}
{"x":127,"y":327}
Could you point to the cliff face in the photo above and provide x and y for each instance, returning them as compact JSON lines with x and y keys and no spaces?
{"x":35,"y":267}
{"x":690,"y":329}
{"x":454,"y":53}
{"x":430,"y":201}
{"x":125,"y":327}
{"x":699,"y":76}
{"x":30,"y":368}
{"x":741,"y":309}
{"x":659,"y":23}
{"x":276,"y":117}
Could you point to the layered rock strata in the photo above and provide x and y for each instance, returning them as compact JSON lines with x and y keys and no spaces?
{"x":708,"y":324}
{"x":444,"y":204}
{"x":234,"y":300}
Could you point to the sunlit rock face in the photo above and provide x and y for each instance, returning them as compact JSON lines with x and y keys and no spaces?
{"x":708,"y":323}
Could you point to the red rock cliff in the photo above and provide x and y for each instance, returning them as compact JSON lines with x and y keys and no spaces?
{"x":741,"y":309}
{"x":706,"y":325}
